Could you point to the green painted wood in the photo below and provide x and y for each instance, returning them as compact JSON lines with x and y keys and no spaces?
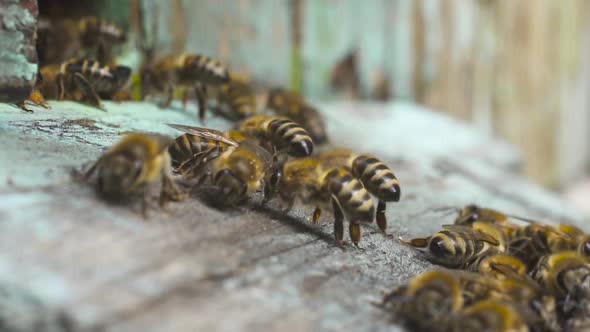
{"x":251,"y":36}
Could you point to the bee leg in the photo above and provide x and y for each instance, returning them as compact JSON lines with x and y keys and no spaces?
{"x":144,"y":206}
{"x":354,"y":230}
{"x":91,"y":170}
{"x":201,"y":94}
{"x":102,"y":53}
{"x":338,"y":223}
{"x":416,"y":243}
{"x":380,"y":218}
{"x":289,"y":205}
{"x":37,"y":98}
{"x":169,"y":96}
{"x":61,"y":91}
{"x":184,"y":99}
{"x":267,"y":193}
{"x":22,"y":106}
{"x":169,"y":192}
{"x":317,"y":213}
{"x":89,"y":92}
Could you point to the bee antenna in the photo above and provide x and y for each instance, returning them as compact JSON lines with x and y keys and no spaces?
{"x":527,"y":220}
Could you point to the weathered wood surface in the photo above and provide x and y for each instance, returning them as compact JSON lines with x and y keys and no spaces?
{"x":195,"y":268}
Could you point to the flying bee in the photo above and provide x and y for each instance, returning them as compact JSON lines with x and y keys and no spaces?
{"x":133,"y":166}
{"x":186,"y":70}
{"x":233,"y":162}
{"x":280,"y":132}
{"x":428,"y":301}
{"x":293,"y":106}
{"x":457,"y":246}
{"x":100,"y":35}
{"x":307,"y":181}
{"x":88,"y":37}
{"x":566,"y":275}
{"x":376,"y":177}
{"x":92,"y":79}
{"x":492,"y":315}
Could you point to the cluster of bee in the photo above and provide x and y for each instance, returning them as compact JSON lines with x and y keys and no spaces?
{"x":76,"y":62}
{"x":505,"y":273}
{"x":272,"y":154}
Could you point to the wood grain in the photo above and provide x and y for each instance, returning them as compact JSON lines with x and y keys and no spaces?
{"x":90,"y":266}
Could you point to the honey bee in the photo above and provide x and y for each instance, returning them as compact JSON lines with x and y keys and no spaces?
{"x":308,"y":181}
{"x":132,"y":166}
{"x":345,"y":75}
{"x":90,"y":78}
{"x":376,"y":177}
{"x":280,"y":132}
{"x":274,"y":133}
{"x":236,"y":100}
{"x":100,"y":35}
{"x":187,"y":70}
{"x":293,"y":106}
{"x":232,"y":162}
{"x":458,"y":246}
{"x":429,"y":301}
{"x":566,"y":275}
{"x":88,"y":37}
{"x":491,"y":315}
{"x":531,"y":242}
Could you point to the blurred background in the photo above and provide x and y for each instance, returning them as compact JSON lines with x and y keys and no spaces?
{"x":516,"y":70}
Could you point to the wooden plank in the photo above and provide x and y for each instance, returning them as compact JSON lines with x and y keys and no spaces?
{"x":193,"y":267}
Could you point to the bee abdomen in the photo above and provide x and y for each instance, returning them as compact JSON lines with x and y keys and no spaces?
{"x":92,"y":26}
{"x":351,"y":195}
{"x":241,"y":100}
{"x":377,"y":177}
{"x":453,"y":249}
{"x":186,"y":146}
{"x":286,"y":134}
{"x":206,"y":69}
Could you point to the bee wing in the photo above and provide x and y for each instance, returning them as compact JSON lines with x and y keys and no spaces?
{"x":206,"y":133}
{"x":466,"y":229}
{"x":506,"y":270}
{"x":527,"y":220}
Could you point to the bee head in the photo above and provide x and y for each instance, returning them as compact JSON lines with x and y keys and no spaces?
{"x":121,"y":74}
{"x":118,"y":176}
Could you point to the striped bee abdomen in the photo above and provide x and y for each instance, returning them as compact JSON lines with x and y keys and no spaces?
{"x":204,"y":69}
{"x":286,"y":134}
{"x":352,"y":197}
{"x":377,"y":177}
{"x":93,"y":29}
{"x":453,"y":249}
{"x":186,"y":146}
{"x":240,"y":98}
